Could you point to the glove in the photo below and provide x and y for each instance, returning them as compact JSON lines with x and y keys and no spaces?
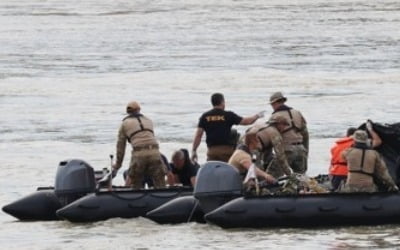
{"x":261,"y":114}
{"x":368,"y":125}
{"x":393,"y":189}
{"x":194,"y":156}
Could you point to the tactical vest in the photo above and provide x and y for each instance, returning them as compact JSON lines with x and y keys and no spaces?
{"x":364,"y":167}
{"x":291,"y":134}
{"x":143,"y":125}
{"x":265,"y":136}
{"x":361,"y":164}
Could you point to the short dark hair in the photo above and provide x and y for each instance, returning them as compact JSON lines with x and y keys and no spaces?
{"x":217,"y":99}
{"x":178,"y":155}
{"x":350,"y":131}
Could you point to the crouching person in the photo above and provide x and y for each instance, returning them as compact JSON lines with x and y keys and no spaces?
{"x":183,"y":169}
{"x":364,"y":165}
{"x":241,"y":158}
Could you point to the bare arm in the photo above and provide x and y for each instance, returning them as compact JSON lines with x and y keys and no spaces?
{"x":246,"y":164}
{"x":197,"y":138}
{"x":176,"y":179}
{"x":249,"y":119}
{"x":376,"y":140}
{"x":170,"y":178}
{"x":193,"y":180}
{"x":196,"y":142}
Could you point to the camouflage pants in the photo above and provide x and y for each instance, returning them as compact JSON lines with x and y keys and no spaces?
{"x":297,"y":158}
{"x":147,"y":163}
{"x":274,"y":169}
{"x":352,"y":189}
{"x":263,"y":159}
{"x":220,"y":153}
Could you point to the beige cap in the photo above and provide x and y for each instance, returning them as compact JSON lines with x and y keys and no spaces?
{"x":278,"y":119}
{"x":277,"y":96}
{"x":132,"y":106}
{"x":360,"y":136}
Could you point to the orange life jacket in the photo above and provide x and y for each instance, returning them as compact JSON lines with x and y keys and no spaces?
{"x":338,"y":164}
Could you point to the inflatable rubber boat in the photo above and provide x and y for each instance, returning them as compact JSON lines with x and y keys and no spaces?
{"x":219,"y":197}
{"x":74,"y":179}
{"x":222,"y":203}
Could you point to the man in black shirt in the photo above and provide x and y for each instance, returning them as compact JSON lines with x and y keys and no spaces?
{"x":217,"y":124}
{"x":183,"y":168}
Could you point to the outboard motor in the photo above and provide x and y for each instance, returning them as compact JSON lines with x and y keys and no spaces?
{"x":217,"y":183}
{"x":74,"y":179}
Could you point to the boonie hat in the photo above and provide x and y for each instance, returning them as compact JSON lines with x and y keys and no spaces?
{"x":278,"y":119}
{"x":360,"y":136}
{"x":277,"y":96}
{"x":132,"y":106}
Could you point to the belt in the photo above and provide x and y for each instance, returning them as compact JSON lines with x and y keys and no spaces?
{"x":296,"y":143}
{"x":143,"y":147}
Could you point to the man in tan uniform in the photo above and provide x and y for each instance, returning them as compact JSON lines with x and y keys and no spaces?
{"x":365,"y":164}
{"x":137,"y":129}
{"x":241,"y":158}
{"x":295,"y":134}
{"x":270,"y":139}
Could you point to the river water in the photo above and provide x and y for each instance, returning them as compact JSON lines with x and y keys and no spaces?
{"x":68,"y":68}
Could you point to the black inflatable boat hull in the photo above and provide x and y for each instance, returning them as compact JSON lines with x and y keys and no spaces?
{"x":179,"y":210}
{"x":40,"y":205}
{"x":74,"y":178}
{"x":308,"y":211}
{"x":120,"y":203}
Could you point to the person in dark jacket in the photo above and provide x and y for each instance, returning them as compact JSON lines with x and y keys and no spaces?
{"x":183,"y":169}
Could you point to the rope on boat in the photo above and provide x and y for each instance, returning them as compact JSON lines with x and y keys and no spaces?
{"x":193,"y":209}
